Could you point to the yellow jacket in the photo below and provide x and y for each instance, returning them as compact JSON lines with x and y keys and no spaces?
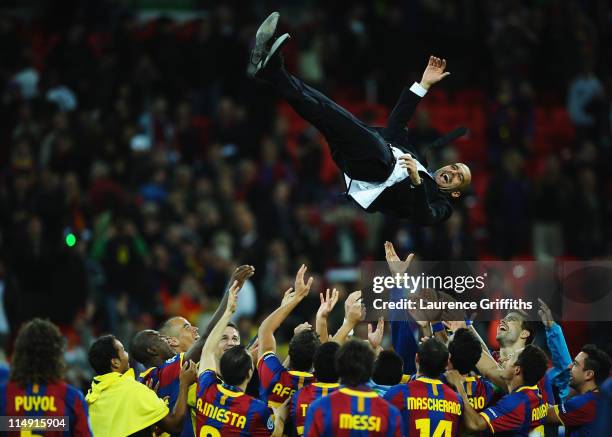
{"x":119,"y":405}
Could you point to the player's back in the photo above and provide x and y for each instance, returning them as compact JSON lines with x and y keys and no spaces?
{"x":278,"y":383}
{"x":304,"y":397}
{"x":224,"y":410}
{"x":55,"y":400}
{"x":428,"y":407}
{"x":352,"y":412}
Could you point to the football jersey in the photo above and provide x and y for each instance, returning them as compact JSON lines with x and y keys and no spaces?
{"x":277,"y":383}
{"x":518,"y":413}
{"x":480,"y":391}
{"x":427,"y":406}
{"x":577,"y":414}
{"x":224,"y":410}
{"x":167,"y":376}
{"x":352,"y":412}
{"x":55,"y":399}
{"x":302,"y":399}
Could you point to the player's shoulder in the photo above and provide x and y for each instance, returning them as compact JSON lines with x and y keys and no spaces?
{"x":176,"y":359}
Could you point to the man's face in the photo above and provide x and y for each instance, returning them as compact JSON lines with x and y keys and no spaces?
{"x":186,"y":334}
{"x":453,"y":177}
{"x":577,"y":372}
{"x":509,"y":367}
{"x":509,"y":329}
{"x":161,"y":344}
{"x":229,"y":339}
{"x":121,"y":364}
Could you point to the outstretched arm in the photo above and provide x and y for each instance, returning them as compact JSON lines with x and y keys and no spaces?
{"x":410,"y":97}
{"x":354,"y":312}
{"x":240,"y":275}
{"x":207,"y":359}
{"x":273,"y":321}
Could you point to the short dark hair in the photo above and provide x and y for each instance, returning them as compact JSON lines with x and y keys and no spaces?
{"x":388,"y":368}
{"x":433,"y":358}
{"x":235,"y":364}
{"x":464,"y":350}
{"x":325,"y":363}
{"x":302,"y":348}
{"x":139,"y":345}
{"x":39,"y":353}
{"x":533,"y":362}
{"x":101,"y":352}
{"x":355,"y":362}
{"x":598,"y":361}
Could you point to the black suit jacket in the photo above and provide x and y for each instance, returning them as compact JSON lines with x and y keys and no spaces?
{"x":425,"y":204}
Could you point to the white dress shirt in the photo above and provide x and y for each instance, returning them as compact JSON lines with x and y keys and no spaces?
{"x":365,"y":193}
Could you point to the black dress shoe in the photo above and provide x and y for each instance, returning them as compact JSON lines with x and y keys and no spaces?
{"x":265,"y":45}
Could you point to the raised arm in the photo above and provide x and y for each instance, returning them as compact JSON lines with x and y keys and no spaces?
{"x":240,"y":275}
{"x":561,"y":358}
{"x":410,"y":97}
{"x":207,"y":359}
{"x":327,"y":305}
{"x":273,"y":321}
{"x":354,"y":312}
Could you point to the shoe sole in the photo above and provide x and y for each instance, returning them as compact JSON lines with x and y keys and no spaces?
{"x":280,"y":41}
{"x":262,"y":38}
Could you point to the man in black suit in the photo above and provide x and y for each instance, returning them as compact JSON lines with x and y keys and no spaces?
{"x":382,"y":170}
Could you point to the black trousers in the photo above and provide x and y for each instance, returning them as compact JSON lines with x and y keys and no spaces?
{"x":357,"y":149}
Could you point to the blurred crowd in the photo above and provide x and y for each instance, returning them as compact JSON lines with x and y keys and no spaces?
{"x":140,"y":165}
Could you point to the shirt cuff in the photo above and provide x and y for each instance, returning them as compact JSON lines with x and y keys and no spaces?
{"x":418,"y":89}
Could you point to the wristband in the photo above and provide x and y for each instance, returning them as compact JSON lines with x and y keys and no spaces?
{"x":437,"y":327}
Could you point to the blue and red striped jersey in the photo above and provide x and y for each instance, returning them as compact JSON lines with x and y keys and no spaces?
{"x":480,"y":391}
{"x":167,"y":376}
{"x":352,"y":412}
{"x":276,"y":382}
{"x":55,"y":399}
{"x":225,"y":410}
{"x":428,"y":407}
{"x":518,"y":413}
{"x":302,"y":399}
{"x":577,"y":414}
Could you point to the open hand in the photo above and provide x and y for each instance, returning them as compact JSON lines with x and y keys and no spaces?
{"x":327,"y":303}
{"x":396,"y":265}
{"x":375,"y":336}
{"x":434,"y":72}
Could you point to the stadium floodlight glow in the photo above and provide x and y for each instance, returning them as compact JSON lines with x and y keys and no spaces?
{"x":70,"y":240}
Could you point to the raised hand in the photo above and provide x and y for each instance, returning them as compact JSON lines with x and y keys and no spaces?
{"x":396,"y":265}
{"x":302,"y":327}
{"x":434,"y":72}
{"x":289,"y":294}
{"x":545,"y":314}
{"x":302,"y":288}
{"x":454,"y":325}
{"x":327,"y":303}
{"x":353,"y":308}
{"x":375,"y":336}
{"x":232,"y":298}
{"x":241,"y":274}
